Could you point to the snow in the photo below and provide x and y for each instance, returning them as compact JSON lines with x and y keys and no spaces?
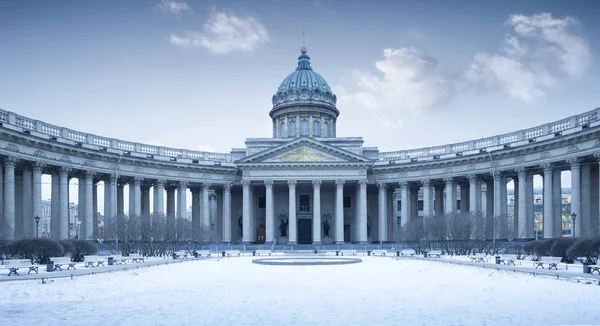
{"x":233,"y":291}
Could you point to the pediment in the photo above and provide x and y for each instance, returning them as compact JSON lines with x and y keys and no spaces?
{"x":304,"y":150}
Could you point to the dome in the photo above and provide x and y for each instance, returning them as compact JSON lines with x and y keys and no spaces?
{"x":304,"y":87}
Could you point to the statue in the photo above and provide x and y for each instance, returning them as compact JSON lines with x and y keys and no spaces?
{"x":326,"y":228}
{"x":241,"y":223}
{"x":283,"y":227}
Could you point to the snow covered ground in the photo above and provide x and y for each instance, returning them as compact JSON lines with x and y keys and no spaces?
{"x":233,"y":291}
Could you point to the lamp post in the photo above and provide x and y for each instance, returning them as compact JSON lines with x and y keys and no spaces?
{"x":37,"y":225}
{"x":573,"y":217}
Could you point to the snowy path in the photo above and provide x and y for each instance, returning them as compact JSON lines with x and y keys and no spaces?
{"x":378,"y":291}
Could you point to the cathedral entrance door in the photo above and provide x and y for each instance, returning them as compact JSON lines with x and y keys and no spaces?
{"x":260,"y":235}
{"x":305,"y":231}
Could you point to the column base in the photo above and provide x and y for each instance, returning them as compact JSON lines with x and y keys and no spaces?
{"x":316,"y":242}
{"x":339,"y":242}
{"x":291,"y":242}
{"x":363,"y":242}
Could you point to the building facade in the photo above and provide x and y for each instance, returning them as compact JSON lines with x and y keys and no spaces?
{"x":305,"y":184}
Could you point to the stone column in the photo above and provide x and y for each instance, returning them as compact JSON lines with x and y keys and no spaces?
{"x":120,"y":200}
{"x":362,"y":235}
{"x":557,"y":201}
{"x":339,"y":211}
{"x":413,"y":199}
{"x":498,"y":195}
{"x":182,"y":200}
{"x":27,"y":203}
{"x":530,"y":217}
{"x":269,"y":218}
{"x":522,"y":200}
{"x":584,"y":219}
{"x":89,"y":226}
{"x":382,"y":205}
{"x":246,"y":211}
{"x":9,"y":193}
{"x":404,"y":206}
{"x":316,"y":211}
{"x":212,"y":198}
{"x":464,"y":197}
{"x":145,"y":188}
{"x":81,"y":203}
{"x":293,"y":224}
{"x":439,"y":200}
{"x":196,"y":224}
{"x":576,"y":192}
{"x":37,"y":191}
{"x":95,"y":221}
{"x":171,"y":202}
{"x":548,"y":205}
{"x":159,"y":197}
{"x":107,"y":198}
{"x":64,"y":202}
{"x":474,"y":194}
{"x":137,"y":196}
{"x":427,"y":202}
{"x":450,"y":196}
{"x":206,"y":222}
{"x":227,"y":213}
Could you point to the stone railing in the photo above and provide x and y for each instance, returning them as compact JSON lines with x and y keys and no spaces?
{"x":39,"y":128}
{"x":518,"y":138}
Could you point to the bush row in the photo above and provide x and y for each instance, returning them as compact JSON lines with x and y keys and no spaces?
{"x":584,"y":250}
{"x":39,"y":250}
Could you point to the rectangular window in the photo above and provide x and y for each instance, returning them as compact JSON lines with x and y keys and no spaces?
{"x":282,"y":130}
{"x":304,"y":128}
{"x":316,"y":129}
{"x":347,"y":201}
{"x":399,"y":205}
{"x":420,"y":205}
{"x":292,"y":128}
{"x":326,"y":130}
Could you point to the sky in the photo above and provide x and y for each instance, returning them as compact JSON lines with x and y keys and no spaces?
{"x":200,"y":74}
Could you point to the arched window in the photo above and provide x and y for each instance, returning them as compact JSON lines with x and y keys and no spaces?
{"x":326,"y":129}
{"x":292,"y":128}
{"x":282,"y":130}
{"x":304,"y":128}
{"x":316,"y":128}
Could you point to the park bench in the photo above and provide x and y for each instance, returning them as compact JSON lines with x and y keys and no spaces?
{"x":13,"y":266}
{"x":479,"y":257}
{"x":348,"y":252}
{"x":230,"y":253}
{"x":407,"y":253}
{"x":263,"y":252}
{"x":204,"y":253}
{"x":434,"y":253}
{"x":180,"y":254}
{"x":551,"y":262}
{"x":119,"y":260}
{"x":91,"y":260}
{"x":508,"y":260}
{"x":379,"y":252}
{"x":594,"y":268}
{"x":60,"y":261}
{"x":136,"y":258}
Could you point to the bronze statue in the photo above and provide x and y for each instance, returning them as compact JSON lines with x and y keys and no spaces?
{"x":326,"y":228}
{"x":283,"y":227}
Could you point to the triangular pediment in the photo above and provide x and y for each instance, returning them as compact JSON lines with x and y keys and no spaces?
{"x":304,"y":150}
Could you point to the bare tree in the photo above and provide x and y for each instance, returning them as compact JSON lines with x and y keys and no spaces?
{"x":413,"y":234}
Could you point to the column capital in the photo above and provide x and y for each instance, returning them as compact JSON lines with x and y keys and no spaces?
{"x":316,"y":183}
{"x":521,"y":171}
{"x":64,"y":171}
{"x":292,"y":183}
{"x":426,"y":182}
{"x":362,"y":182}
{"x":472,"y":178}
{"x":137,"y":181}
{"x":245,"y":183}
{"x":183,"y":184}
{"x":38,"y":166}
{"x":548,"y":167}
{"x":382,"y":186}
{"x":10,"y":161}
{"x":195,"y":190}
{"x":89,"y":174}
{"x":448,"y":179}
{"x":574,"y":162}
{"x":403,"y":184}
{"x":160,"y":182}
{"x":212,"y":196}
{"x":597,"y":156}
{"x":340,"y":183}
{"x":206,"y":186}
{"x":269,"y":183}
{"x":227,"y":187}
{"x":496,"y":174}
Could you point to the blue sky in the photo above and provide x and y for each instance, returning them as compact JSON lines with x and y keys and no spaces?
{"x":200,"y":74}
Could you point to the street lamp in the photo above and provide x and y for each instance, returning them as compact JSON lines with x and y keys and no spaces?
{"x":573,"y":217}
{"x":37,"y":225}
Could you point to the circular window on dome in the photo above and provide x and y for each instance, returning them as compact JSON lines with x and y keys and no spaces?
{"x":317,"y":94}
{"x":327,"y":96}
{"x":304,"y":93}
{"x":291,"y":94}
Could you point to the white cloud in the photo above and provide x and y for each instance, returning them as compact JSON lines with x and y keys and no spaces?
{"x":173,"y":6}
{"x":224,"y":32}
{"x":406,"y":80}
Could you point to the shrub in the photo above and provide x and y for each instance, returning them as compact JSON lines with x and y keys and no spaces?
{"x":4,"y":249}
{"x":67,"y":246}
{"x":38,"y":250}
{"x":82,"y":248}
{"x":530,"y":248}
{"x":585,"y":251}
{"x":560,"y":246}
{"x":543,"y":247}
{"x":515,"y":249}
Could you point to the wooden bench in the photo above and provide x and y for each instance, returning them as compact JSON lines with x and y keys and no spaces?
{"x":434,"y":253}
{"x":263,"y":252}
{"x":204,"y":253}
{"x":479,"y":257}
{"x":119,"y":260}
{"x":551,"y":262}
{"x":136,"y":258}
{"x":180,"y":254}
{"x":508,"y":260}
{"x":13,"y":266}
{"x":379,"y":252}
{"x":60,"y":261}
{"x":348,"y":252}
{"x":408,"y":253}
{"x":231,"y":253}
{"x":594,"y":268}
{"x":91,"y":260}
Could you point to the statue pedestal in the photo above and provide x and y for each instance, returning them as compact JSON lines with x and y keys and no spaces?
{"x":282,"y":240}
{"x":327,"y":240}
